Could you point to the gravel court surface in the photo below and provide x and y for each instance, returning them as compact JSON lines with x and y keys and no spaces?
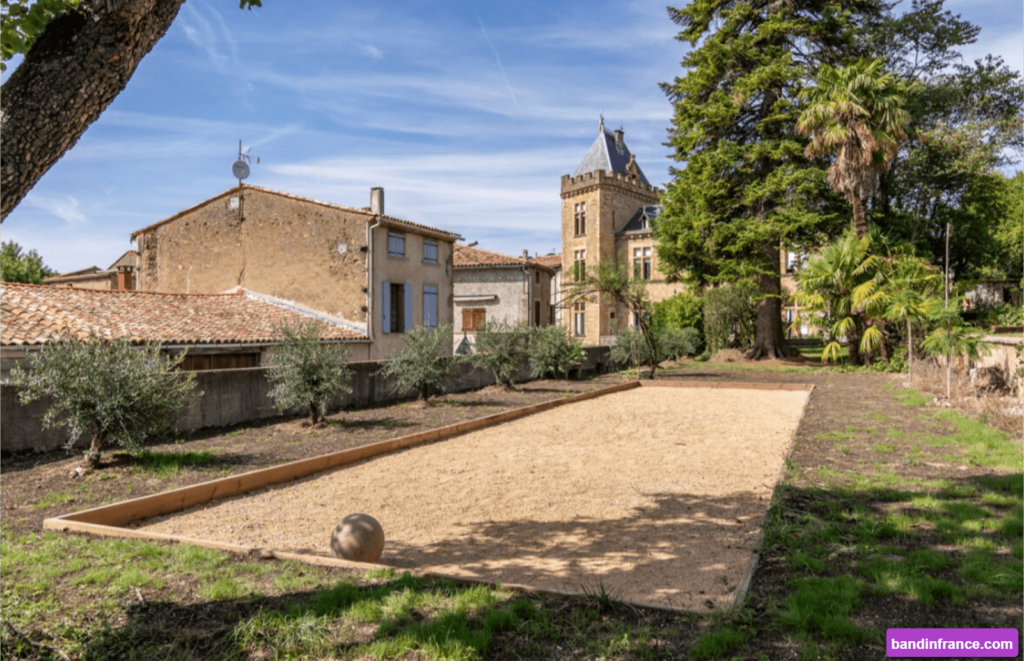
{"x":654,"y":494}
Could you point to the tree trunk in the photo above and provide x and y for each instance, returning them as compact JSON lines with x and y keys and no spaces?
{"x":860,"y":220}
{"x":769,"y":336}
{"x":853,"y":345}
{"x":314,"y":413}
{"x":425,"y":393}
{"x":99,"y":438}
{"x":910,"y":351}
{"x":74,"y":70}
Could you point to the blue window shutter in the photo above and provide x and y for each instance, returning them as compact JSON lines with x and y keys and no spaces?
{"x":385,"y":306}
{"x":408,"y":307}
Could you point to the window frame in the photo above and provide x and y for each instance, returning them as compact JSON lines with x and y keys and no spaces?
{"x":396,"y":322}
{"x":579,"y":265}
{"x":579,"y":319}
{"x":580,"y":219}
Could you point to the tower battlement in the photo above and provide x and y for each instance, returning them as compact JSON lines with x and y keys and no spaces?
{"x":572,"y":185}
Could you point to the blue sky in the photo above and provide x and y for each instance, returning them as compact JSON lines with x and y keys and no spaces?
{"x":466,"y":113}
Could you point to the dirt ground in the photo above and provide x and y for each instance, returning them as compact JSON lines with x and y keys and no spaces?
{"x":30,"y":481}
{"x":656,"y":494}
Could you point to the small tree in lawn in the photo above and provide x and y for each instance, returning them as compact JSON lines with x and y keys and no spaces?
{"x":501,"y":349}
{"x":424,"y":362}
{"x":306,"y":372}
{"x":117,"y":392}
{"x":615,"y":284}
{"x":554,"y":351}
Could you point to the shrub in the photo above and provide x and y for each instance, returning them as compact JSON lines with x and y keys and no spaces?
{"x":554,"y":351}
{"x":678,"y":342}
{"x":307,"y":373}
{"x":665,"y":344}
{"x":500,"y":348}
{"x":1002,"y":314}
{"x":729,"y":315}
{"x":683,"y":310}
{"x":424,"y":362}
{"x":118,"y":392}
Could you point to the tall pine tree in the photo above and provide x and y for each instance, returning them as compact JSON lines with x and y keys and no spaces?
{"x":747,"y":189}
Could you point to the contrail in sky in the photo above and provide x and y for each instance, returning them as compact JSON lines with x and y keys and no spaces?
{"x":498,"y":58}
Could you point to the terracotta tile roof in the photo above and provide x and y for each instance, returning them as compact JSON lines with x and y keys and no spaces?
{"x":234,"y":191}
{"x":37,"y":314}
{"x":466,"y":258}
{"x":550,"y":261}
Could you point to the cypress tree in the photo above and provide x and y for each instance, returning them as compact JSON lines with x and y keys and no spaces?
{"x":747,"y":188}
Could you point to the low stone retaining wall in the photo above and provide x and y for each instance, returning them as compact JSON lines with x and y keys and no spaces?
{"x":232,"y":397}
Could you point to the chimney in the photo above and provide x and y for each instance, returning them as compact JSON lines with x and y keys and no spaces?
{"x":526,"y":255}
{"x":377,"y":201}
{"x":620,"y":144}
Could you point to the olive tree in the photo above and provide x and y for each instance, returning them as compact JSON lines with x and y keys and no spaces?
{"x":306,"y":372}
{"x":502,"y":349}
{"x":424,"y":361}
{"x":116,"y":391}
{"x":554,"y":351}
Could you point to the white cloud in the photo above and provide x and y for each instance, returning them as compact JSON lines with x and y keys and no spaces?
{"x":65,"y":208}
{"x":373,"y":51}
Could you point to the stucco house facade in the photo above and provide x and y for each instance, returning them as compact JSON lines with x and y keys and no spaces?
{"x":492,"y":287}
{"x":379,"y":275}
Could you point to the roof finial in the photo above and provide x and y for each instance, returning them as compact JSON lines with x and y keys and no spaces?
{"x":600,"y":127}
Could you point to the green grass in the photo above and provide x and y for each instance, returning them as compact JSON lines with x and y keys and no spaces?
{"x":168,"y":464}
{"x":911,"y":397}
{"x":823,"y":606}
{"x":53,"y":498}
{"x":436,"y":620}
{"x":717,"y":644}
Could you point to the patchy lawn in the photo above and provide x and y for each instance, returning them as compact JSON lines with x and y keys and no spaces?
{"x":892,"y":514}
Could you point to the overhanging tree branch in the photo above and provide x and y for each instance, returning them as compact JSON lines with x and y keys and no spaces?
{"x":77,"y":66}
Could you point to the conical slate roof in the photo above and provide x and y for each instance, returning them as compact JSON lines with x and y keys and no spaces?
{"x":606,"y":155}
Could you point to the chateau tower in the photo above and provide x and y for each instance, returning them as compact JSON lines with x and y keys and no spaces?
{"x":607,"y":192}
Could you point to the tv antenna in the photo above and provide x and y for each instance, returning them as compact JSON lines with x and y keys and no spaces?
{"x":240,"y":168}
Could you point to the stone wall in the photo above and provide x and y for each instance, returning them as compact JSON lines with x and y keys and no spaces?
{"x":232,"y":397}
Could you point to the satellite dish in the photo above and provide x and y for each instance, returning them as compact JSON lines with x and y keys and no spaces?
{"x":240,"y":169}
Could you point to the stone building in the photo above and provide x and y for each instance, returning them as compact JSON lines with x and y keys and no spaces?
{"x":120,"y":275}
{"x":607,"y":209}
{"x":378,"y":274}
{"x":492,"y":287}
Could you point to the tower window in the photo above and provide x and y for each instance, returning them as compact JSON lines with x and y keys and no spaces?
{"x":580,"y":218}
{"x":642,"y":263}
{"x":580,"y":318}
{"x":579,"y":267}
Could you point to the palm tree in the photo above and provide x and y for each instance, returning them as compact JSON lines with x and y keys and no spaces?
{"x":905,"y":293}
{"x":857,"y":109}
{"x":831,"y":287}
